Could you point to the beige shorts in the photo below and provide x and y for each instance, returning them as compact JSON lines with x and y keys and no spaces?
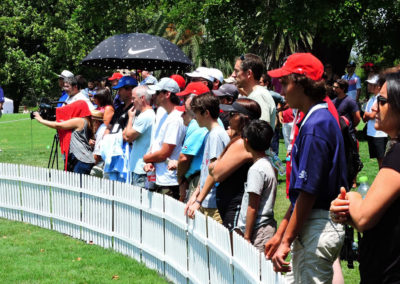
{"x":261,"y":235}
{"x":212,"y":212}
{"x":315,"y":249}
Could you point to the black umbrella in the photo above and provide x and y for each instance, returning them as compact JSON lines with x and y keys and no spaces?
{"x":137,"y":51}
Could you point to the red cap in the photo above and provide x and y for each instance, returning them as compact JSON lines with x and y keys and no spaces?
{"x":300,"y":63}
{"x":179,"y":80}
{"x":196,"y":88}
{"x":368,"y":64}
{"x":181,"y":108}
{"x":115,"y":76}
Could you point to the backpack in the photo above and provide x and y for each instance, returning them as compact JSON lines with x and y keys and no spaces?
{"x":353,"y":161}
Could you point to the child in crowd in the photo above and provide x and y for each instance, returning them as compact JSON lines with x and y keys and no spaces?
{"x":256,"y":219}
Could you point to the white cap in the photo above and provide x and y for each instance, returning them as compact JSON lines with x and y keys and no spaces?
{"x":166,"y":84}
{"x":373,"y":79}
{"x":66,"y":74}
{"x":201,"y":72}
{"x":217,"y":74}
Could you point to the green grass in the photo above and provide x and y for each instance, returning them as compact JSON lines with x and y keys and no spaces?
{"x":30,"y":254}
{"x":28,"y":142}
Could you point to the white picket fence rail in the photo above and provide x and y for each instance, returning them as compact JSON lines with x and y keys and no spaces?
{"x":146,"y":226}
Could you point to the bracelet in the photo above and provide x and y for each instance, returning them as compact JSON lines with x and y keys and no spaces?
{"x":197,"y":201}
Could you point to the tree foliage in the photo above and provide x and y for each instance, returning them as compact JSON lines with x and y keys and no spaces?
{"x":41,"y":38}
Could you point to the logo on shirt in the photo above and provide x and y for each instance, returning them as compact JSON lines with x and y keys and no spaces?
{"x":303,"y":175}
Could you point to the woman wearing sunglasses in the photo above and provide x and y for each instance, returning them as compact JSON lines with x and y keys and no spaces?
{"x":377,"y":216}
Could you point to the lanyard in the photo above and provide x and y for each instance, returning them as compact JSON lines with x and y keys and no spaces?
{"x":314,"y":108}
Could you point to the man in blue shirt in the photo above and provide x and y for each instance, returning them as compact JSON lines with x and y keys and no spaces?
{"x":318,"y":172}
{"x":191,"y":156}
{"x":61,"y":77}
{"x":354,"y":81}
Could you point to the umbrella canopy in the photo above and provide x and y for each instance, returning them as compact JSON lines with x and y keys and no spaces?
{"x":137,"y":51}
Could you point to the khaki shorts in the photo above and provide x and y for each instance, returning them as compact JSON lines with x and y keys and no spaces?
{"x":212,"y":212}
{"x":315,"y":249}
{"x":261,"y":235}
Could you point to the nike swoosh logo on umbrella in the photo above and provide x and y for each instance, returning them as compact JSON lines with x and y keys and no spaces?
{"x":133,"y":52}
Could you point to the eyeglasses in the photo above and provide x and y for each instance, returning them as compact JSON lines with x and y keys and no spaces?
{"x":381,"y":100}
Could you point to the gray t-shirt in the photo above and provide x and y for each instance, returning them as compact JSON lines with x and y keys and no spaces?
{"x":268,"y":108}
{"x":261,"y":181}
{"x":216,"y":141}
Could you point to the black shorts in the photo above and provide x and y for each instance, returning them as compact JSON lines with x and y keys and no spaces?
{"x":377,"y":146}
{"x":229,"y":212}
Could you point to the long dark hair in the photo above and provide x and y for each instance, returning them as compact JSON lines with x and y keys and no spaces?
{"x":393,"y":95}
{"x":103,"y":96}
{"x":254,"y":108}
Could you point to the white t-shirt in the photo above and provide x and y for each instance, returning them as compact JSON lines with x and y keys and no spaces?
{"x":371,"y":131}
{"x":144,"y":125}
{"x":261,"y":180}
{"x":80,"y":97}
{"x":99,"y":136}
{"x":170,"y":130}
{"x":268,"y":109}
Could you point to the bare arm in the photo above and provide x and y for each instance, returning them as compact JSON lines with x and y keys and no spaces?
{"x":184,"y":162}
{"x":130,"y":134}
{"x":235,"y":156}
{"x":251,"y":216}
{"x":369,"y":115}
{"x":108,"y":114}
{"x":160,"y":155}
{"x":356,"y":118}
{"x":73,"y":123}
{"x":385,"y":189}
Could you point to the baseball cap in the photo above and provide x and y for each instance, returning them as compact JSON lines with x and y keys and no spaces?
{"x":201,"y":72}
{"x":125,"y":81}
{"x":166,"y":84}
{"x":236,"y":107}
{"x":373,"y":79}
{"x":66,"y":74}
{"x":300,"y":63}
{"x":115,"y":76}
{"x":227,"y":90}
{"x":217,"y":74}
{"x":230,"y":80}
{"x":179,"y":80}
{"x":196,"y":88}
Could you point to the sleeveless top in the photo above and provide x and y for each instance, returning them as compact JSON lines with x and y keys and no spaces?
{"x":79,"y":145}
{"x":380,"y":246}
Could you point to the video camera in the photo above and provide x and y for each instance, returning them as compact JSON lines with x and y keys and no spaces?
{"x":47,"y":110}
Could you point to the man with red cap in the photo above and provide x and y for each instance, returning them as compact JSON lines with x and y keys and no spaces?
{"x":191,"y":155}
{"x":318,"y":171}
{"x":114,"y":79}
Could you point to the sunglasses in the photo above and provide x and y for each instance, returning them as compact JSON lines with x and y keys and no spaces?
{"x":381,"y":100}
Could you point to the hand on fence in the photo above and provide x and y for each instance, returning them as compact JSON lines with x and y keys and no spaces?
{"x":192,"y":209}
{"x":340,"y":208}
{"x":278,"y":260}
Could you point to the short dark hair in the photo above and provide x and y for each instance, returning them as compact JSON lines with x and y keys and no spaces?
{"x":206,"y":101}
{"x":315,"y":90}
{"x":71,"y":81}
{"x":174,"y":99}
{"x":343,"y":84}
{"x":254,"y":63}
{"x":104,"y":97}
{"x":259,"y":135}
{"x":82,"y":83}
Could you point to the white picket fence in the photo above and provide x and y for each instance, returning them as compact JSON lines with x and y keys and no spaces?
{"x":146,"y":226}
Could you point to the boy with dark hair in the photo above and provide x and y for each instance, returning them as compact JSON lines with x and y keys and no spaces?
{"x":256,"y":219}
{"x":206,"y":109}
{"x":318,"y":171}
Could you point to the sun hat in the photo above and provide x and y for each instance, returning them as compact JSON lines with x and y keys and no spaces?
{"x":373,"y":79}
{"x":201,"y":72}
{"x":196,"y":88}
{"x":126,"y":81}
{"x":300,"y":63}
{"x":166,"y":84}
{"x":65,"y":74}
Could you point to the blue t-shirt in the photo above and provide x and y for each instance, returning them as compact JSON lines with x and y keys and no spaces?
{"x":354,"y":84}
{"x":1,"y":95}
{"x":346,"y":107}
{"x":62,"y":99}
{"x":143,"y":124}
{"x":194,"y":145}
{"x":318,"y":159}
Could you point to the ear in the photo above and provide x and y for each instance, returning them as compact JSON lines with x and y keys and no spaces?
{"x":250,"y":74}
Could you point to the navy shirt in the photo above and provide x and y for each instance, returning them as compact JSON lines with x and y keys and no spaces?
{"x":346,"y":107}
{"x":318,"y":159}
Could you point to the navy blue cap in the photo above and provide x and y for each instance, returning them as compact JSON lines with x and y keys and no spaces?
{"x":126,"y":81}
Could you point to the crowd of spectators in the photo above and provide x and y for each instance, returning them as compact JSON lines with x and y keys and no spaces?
{"x":210,"y":142}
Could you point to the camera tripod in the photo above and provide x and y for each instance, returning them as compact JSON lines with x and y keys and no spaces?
{"x":54,"y":152}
